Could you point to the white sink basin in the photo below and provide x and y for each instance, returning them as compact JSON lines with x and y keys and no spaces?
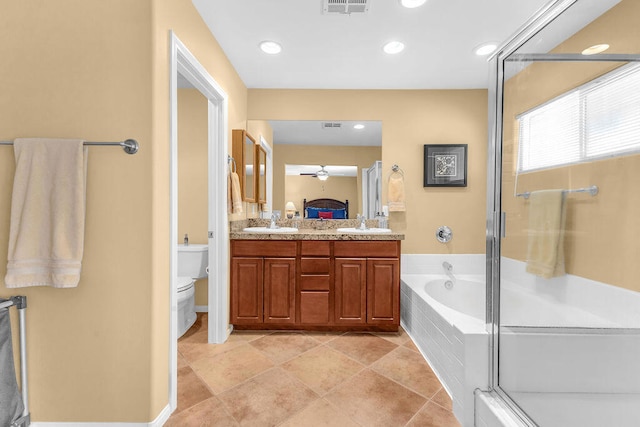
{"x":270,"y":230}
{"x":367,"y":231}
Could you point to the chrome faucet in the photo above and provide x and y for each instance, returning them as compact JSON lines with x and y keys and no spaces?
{"x":274,"y":218}
{"x":362,"y":219}
{"x":448,"y":270}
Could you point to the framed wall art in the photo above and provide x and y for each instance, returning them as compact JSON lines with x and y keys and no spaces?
{"x":445,"y":165}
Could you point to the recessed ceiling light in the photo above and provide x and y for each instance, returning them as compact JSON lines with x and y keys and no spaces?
{"x":598,"y":48}
{"x":412,"y":3}
{"x":272,"y":48}
{"x":485,"y":49}
{"x":358,"y":126}
{"x":393,"y":47}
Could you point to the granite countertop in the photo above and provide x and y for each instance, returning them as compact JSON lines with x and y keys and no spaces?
{"x":308,"y":230}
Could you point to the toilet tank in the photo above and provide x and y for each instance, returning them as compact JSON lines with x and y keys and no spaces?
{"x":193,"y":260}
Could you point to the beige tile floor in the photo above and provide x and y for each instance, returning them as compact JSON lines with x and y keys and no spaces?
{"x":292,"y":379}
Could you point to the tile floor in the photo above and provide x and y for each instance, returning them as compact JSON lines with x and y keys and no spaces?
{"x":291,"y":379}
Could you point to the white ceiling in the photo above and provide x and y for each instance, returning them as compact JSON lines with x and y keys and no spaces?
{"x":345,"y":51}
{"x":312,"y":132}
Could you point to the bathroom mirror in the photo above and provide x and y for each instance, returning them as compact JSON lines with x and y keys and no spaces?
{"x":261,"y":174}
{"x":315,"y":142}
{"x":244,"y":152}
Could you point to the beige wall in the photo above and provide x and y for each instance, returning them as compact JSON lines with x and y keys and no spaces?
{"x":99,"y":71}
{"x":290,"y":154}
{"x":193,"y":168}
{"x":410,"y":119}
{"x":80,"y":69}
{"x":181,"y":17}
{"x":590,"y":251}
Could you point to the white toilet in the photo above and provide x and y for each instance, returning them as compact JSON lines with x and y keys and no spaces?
{"x":192,"y":265}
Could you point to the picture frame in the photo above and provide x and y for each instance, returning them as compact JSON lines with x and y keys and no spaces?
{"x":445,"y":165}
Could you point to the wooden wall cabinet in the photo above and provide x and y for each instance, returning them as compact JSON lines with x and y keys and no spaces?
{"x":318,"y":285}
{"x":244,"y":153}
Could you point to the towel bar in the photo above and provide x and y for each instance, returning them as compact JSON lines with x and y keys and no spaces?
{"x":593,"y":190}
{"x":130,"y":146}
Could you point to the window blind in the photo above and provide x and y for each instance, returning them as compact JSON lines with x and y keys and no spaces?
{"x":599,"y":119}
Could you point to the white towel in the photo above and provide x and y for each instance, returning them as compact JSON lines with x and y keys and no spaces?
{"x":547,"y":215}
{"x":46,"y":236}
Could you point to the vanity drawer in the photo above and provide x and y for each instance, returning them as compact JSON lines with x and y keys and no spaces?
{"x":315,"y":248}
{"x":315,"y":265}
{"x":314,"y":282}
{"x":264,"y":248}
{"x":376,"y":248}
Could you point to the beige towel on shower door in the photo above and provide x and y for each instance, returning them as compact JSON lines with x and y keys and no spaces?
{"x":547,"y":213}
{"x":46,"y":235}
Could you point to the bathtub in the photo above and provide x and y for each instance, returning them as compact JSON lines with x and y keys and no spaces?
{"x":563,"y":348}
{"x":569,"y":349}
{"x":448,"y":327}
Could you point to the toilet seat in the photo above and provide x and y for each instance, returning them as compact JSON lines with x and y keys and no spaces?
{"x":185,"y":283}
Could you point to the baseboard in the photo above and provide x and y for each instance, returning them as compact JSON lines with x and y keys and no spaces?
{"x":202,"y":308}
{"x":158,"y":422}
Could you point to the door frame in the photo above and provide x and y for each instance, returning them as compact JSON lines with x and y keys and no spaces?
{"x":183,"y":62}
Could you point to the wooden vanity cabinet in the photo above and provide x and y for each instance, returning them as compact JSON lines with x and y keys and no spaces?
{"x":263,"y":282}
{"x":327,"y":285}
{"x":367,"y":288}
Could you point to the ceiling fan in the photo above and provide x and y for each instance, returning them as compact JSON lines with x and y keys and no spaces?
{"x":322,"y":174}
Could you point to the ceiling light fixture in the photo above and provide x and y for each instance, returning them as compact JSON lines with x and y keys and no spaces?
{"x":598,"y":48}
{"x":322,"y":174}
{"x":272,"y":48}
{"x":412,"y":3}
{"x":393,"y":47}
{"x":358,"y":126}
{"x":485,"y":49}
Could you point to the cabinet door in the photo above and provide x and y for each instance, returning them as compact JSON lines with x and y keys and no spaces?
{"x":246,"y":290}
{"x":350,"y":290}
{"x":383,"y":291}
{"x":279,"y":290}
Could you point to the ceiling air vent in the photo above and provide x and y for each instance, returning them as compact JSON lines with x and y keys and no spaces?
{"x":331,"y":125}
{"x":345,"y":7}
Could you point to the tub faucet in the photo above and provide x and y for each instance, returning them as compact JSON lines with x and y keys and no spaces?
{"x":273,"y":224}
{"x":448,"y":270}
{"x":363,"y":224}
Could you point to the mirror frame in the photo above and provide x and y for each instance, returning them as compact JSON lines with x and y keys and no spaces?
{"x":260,"y":174}
{"x":240,"y":138}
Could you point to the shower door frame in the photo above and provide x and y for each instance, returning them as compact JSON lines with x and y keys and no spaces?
{"x":495,"y":217}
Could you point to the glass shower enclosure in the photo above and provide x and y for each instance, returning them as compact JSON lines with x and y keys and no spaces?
{"x":563,"y":229}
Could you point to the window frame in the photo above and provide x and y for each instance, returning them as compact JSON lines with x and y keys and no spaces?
{"x":625,"y":71}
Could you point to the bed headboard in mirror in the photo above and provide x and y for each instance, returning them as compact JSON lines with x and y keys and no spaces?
{"x":328,"y":205}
